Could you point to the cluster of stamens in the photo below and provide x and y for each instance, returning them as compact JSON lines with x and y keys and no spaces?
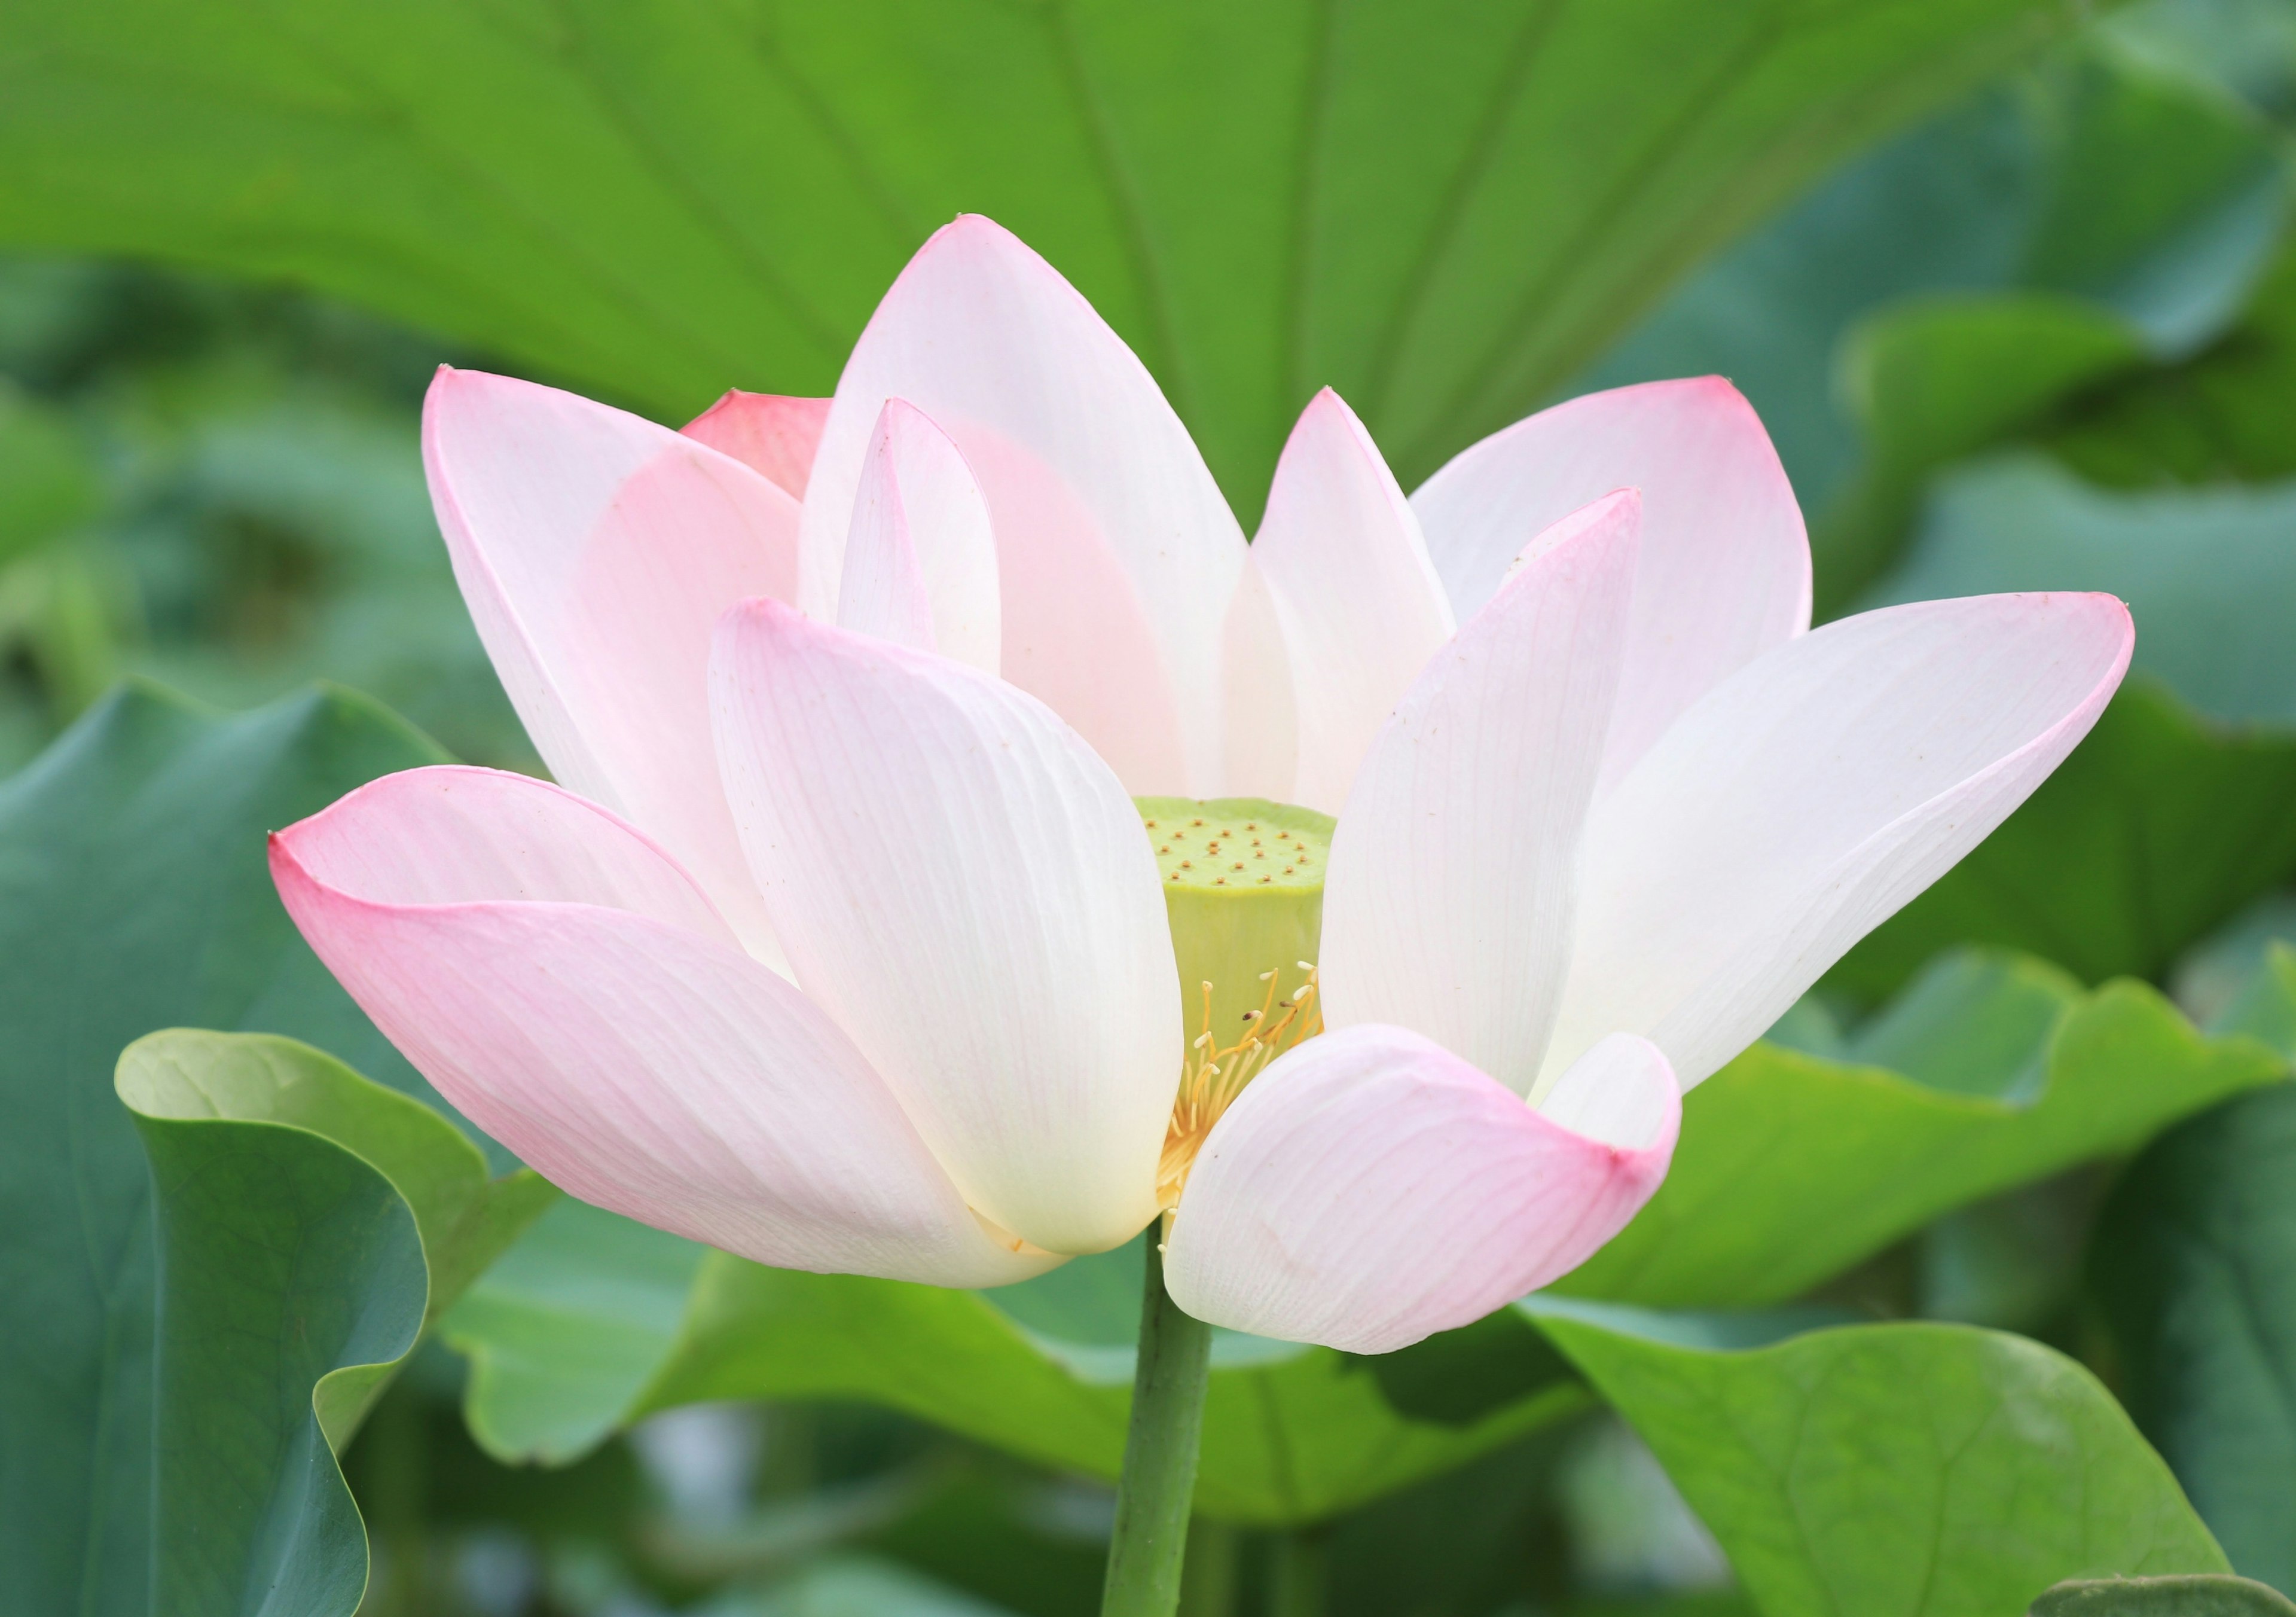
{"x":1214,"y":1074}
{"x":1255,"y":857}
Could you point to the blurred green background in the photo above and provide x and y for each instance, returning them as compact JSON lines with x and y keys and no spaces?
{"x":2044,"y":338}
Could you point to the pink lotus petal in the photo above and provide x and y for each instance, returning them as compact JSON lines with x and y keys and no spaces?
{"x":1107,"y":522}
{"x":1726,"y":561}
{"x":1806,"y":799}
{"x":596,"y":551}
{"x":526,"y":952}
{"x":920,"y":560}
{"x":1448,"y":905}
{"x":1359,"y":605}
{"x":964,"y":886}
{"x":773,"y":435}
{"x":1371,"y":1188}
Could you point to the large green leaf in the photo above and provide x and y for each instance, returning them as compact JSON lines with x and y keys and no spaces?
{"x":2161,"y":825}
{"x":310,"y":1224}
{"x":2194,"y":1262}
{"x":1988,"y":1074}
{"x":1911,"y":1469}
{"x":1443,"y":210}
{"x":134,"y":896}
{"x":567,"y":1349}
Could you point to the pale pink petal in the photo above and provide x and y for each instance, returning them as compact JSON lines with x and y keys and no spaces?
{"x":1262,"y":719}
{"x":967,"y":887}
{"x":454,"y":834}
{"x":920,"y":559}
{"x":524,"y":951}
{"x":1726,"y":561}
{"x":1371,"y":1188}
{"x":1448,"y":905}
{"x":1802,"y":802}
{"x":1118,"y":553}
{"x":1359,"y":601}
{"x":773,"y":435}
{"x":595,"y":551}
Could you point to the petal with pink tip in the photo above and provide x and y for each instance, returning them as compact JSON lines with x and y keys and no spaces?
{"x":964,"y":886}
{"x":562,"y":982}
{"x":772,"y":434}
{"x":1447,"y":901}
{"x":1361,"y":608}
{"x":1118,"y":554}
{"x":1371,"y":1188}
{"x":1726,"y":561}
{"x":920,"y":558}
{"x":1806,"y":799}
{"x":596,"y":551}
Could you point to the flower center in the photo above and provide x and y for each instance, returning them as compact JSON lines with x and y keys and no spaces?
{"x":1243,"y":888}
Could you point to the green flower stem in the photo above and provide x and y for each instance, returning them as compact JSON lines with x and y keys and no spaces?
{"x":1151,"y":1538}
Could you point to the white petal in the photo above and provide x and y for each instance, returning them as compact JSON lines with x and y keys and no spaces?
{"x":1726,"y":561}
{"x":1370,"y":1187}
{"x":529,"y":954}
{"x":1118,"y":555}
{"x":1448,"y":906}
{"x":1359,"y":601}
{"x":967,"y":887}
{"x":1805,"y":800}
{"x":596,"y":551}
{"x":920,"y":559}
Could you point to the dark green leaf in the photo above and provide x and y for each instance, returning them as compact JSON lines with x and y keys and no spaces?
{"x":309,"y":1222}
{"x":2189,"y":1596}
{"x":2194,"y":1262}
{"x":2161,"y":825}
{"x":1890,"y":1468}
{"x":134,"y":896}
{"x":48,"y":481}
{"x":1443,"y":212}
{"x":1791,"y":1168}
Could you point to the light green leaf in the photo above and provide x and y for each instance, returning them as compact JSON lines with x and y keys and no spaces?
{"x":2159,"y":826}
{"x":1911,"y":1469}
{"x":311,"y":1223}
{"x":1444,"y":212}
{"x":2188,"y":1597}
{"x":1044,"y":1370}
{"x":134,"y":896}
{"x":1791,"y":1168}
{"x":2193,"y":1260}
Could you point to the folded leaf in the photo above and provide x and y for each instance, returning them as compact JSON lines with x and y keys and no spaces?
{"x":310,"y":1224}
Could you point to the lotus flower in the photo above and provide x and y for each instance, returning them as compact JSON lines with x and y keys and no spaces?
{"x":915,"y":742}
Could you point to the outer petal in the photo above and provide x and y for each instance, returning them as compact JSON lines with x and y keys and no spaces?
{"x":771,"y":434}
{"x":595,"y":551}
{"x":1118,"y":555}
{"x":525,"y":951}
{"x":1804,"y":800}
{"x":1359,"y":604}
{"x":1448,"y":904}
{"x":920,"y":558}
{"x":1726,"y":561}
{"x":967,"y":887}
{"x":1370,"y":1188}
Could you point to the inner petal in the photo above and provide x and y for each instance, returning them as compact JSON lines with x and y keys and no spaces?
{"x":1243,"y":887}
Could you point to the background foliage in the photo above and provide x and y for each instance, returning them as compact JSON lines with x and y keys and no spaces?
{"x":1979,"y":1274}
